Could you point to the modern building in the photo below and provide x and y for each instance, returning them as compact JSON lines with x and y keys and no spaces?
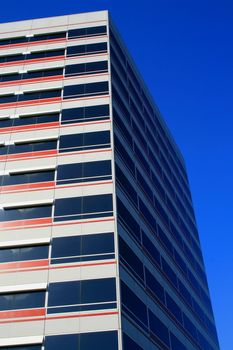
{"x":99,"y":247}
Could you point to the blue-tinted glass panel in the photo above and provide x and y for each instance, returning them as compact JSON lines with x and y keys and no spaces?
{"x":82,"y":245}
{"x":24,"y":300}
{"x":86,"y":68}
{"x":83,"y":341}
{"x":73,"y":208}
{"x":25,"y":213}
{"x":92,"y":31}
{"x":30,"y":177}
{"x":24,"y":253}
{"x":83,"y":114}
{"x":81,"y":172}
{"x":88,"y":140}
{"x":89,"y":89}
{"x":86,"y":49}
{"x":82,"y":292}
{"x":129,"y":344}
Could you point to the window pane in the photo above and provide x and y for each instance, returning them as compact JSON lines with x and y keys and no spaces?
{"x":23,"y":300}
{"x":24,"y":253}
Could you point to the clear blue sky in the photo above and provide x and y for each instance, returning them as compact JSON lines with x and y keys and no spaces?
{"x":184,"y":50}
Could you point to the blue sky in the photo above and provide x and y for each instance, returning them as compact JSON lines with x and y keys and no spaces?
{"x":185,"y":54}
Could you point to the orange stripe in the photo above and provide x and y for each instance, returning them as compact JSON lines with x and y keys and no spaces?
{"x":50,"y":186}
{"x":22,"y":223}
{"x":29,"y":127}
{"x":24,"y":264}
{"x":39,"y":185}
{"x":33,"y":80}
{"x":28,"y":155}
{"x":44,"y":224}
{"x":29,"y":103}
{"x":42,"y":126}
{"x":35,"y":60}
{"x":23,"y":313}
{"x":57,"y":154}
{"x":63,"y":317}
{"x":32,"y":43}
{"x":58,"y":267}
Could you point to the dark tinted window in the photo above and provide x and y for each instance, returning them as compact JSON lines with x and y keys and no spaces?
{"x":133,"y":306}
{"x":154,"y":286}
{"x":90,"y":68}
{"x":35,"y":146}
{"x":48,"y":36}
{"x":88,"y":140}
{"x":130,"y":259}
{"x":100,"y":88}
{"x":158,"y":329}
{"x":80,"y":172}
{"x":24,"y":253}
{"x":24,"y":300}
{"x":25,"y":347}
{"x":82,"y":292}
{"x":83,"y":114}
{"x":25,"y":213}
{"x":84,"y":341}
{"x":86,"y":49}
{"x":82,"y":245}
{"x":30,"y":177}
{"x":129,"y":344}
{"x":76,"y":33}
{"x":83,"y":207}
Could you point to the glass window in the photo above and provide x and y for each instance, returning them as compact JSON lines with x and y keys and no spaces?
{"x":92,"y":31}
{"x":151,"y":250}
{"x":174,"y":308}
{"x":83,"y":68}
{"x":83,"y":341}
{"x":133,"y":306}
{"x":83,"y":207}
{"x":48,"y":36}
{"x":90,"y":140}
{"x":83,"y":114}
{"x":154,"y":286}
{"x":176,"y":343}
{"x":128,"y":220}
{"x":24,"y":253}
{"x":82,"y":292}
{"x":85,"y":245}
{"x":33,"y":146}
{"x":100,"y":88}
{"x":27,"y":177}
{"x":81,"y":172}
{"x":25,"y":213}
{"x":86,"y":49}
{"x":24,"y":300}
{"x":129,"y":344}
{"x":159,"y":329}
{"x":130,"y":259}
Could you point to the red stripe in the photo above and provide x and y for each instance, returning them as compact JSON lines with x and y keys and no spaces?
{"x":39,"y":185}
{"x":33,"y":80}
{"x":57,"y":154}
{"x":32,"y":43}
{"x":22,"y":313}
{"x":27,"y":155}
{"x":31,"y":102}
{"x":24,"y":264}
{"x":48,"y":186}
{"x":42,"y":126}
{"x":29,"y":127}
{"x":35,"y":60}
{"x":58,"y":267}
{"x":21,"y":225}
{"x":63,"y":317}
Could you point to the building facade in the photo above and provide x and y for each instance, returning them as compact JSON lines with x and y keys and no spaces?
{"x":99,"y":247}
